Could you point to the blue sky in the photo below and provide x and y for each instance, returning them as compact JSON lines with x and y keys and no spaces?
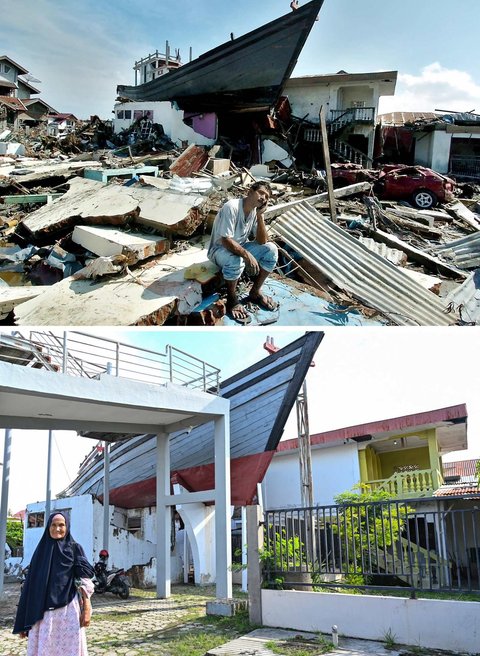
{"x":360,"y":375}
{"x":81,"y":49}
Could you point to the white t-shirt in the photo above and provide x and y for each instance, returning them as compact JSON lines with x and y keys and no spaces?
{"x":232,"y":222}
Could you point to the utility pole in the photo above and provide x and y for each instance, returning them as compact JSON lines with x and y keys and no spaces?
{"x":303,"y":436}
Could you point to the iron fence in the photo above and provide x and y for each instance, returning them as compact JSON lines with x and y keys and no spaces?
{"x":425,"y":545}
{"x":467,"y":168}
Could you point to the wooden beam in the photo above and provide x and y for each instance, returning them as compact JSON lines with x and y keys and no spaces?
{"x":328,"y":167}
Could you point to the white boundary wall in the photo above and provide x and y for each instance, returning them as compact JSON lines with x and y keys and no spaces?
{"x":428,"y":623}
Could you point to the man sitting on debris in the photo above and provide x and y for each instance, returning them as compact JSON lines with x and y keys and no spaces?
{"x":231,"y":250}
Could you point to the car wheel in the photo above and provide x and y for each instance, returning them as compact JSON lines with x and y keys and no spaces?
{"x":424,"y":199}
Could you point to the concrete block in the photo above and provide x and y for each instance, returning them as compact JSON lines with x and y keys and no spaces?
{"x":104,"y":175}
{"x":216,"y":165}
{"x":106,"y":241}
{"x":11,"y":148}
{"x":226,"y":607}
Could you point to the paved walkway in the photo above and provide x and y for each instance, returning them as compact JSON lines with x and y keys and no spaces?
{"x":255,"y":644}
{"x":132,"y":627}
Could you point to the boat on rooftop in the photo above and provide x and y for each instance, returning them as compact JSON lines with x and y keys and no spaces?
{"x":247,"y":73}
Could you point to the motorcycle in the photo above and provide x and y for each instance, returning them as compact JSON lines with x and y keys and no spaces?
{"x":114,"y":580}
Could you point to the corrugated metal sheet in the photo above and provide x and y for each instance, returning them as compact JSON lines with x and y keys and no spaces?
{"x":465,"y":252}
{"x":465,"y":300}
{"x":393,"y":255}
{"x":352,"y":267}
{"x":462,"y":468}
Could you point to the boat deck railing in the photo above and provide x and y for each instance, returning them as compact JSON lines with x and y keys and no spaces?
{"x":81,"y":354}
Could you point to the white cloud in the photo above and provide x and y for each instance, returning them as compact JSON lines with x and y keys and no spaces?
{"x":436,"y":87}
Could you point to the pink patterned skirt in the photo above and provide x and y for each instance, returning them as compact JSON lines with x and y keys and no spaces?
{"x":58,"y":633}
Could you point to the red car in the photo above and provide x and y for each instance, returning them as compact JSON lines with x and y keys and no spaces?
{"x":418,"y":185}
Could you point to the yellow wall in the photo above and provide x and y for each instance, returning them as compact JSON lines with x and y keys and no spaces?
{"x":374,"y":467}
{"x":404,"y":457}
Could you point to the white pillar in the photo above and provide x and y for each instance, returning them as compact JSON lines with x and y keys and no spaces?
{"x":48,"y":496}
{"x":7,"y":450}
{"x":222,"y":508}
{"x":106,"y":495}
{"x":163,"y":516}
{"x":244,"y":550}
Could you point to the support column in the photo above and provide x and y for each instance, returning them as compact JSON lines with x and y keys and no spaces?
{"x":48,"y":496}
{"x":255,"y":544}
{"x":434,"y":458}
{"x":106,"y":495}
{"x":163,"y":516}
{"x":244,"y":550}
{"x":222,"y":508}
{"x":362,"y":458}
{"x":7,"y":452}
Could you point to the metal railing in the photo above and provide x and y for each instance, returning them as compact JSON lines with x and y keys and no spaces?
{"x":382,"y":545}
{"x":339,"y":118}
{"x":465,"y":167}
{"x":81,"y":354}
{"x":412,"y":484}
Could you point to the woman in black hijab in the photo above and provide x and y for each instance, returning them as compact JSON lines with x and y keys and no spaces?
{"x":49,"y":610}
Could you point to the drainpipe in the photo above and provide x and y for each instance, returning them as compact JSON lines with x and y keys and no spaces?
{"x":7,"y":450}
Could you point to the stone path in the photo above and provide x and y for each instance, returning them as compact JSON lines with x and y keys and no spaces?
{"x":132,"y":627}
{"x":255,"y":644}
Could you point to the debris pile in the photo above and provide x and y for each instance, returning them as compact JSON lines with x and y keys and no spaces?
{"x":119,"y":236}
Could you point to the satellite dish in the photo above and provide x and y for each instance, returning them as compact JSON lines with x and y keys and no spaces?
{"x":30,"y":78}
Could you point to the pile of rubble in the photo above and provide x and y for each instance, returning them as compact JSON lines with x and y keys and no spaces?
{"x":117,"y":236}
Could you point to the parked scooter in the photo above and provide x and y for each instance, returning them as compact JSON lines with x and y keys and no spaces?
{"x":114,"y":580}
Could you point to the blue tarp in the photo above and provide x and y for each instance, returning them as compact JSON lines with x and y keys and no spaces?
{"x":299,"y":308}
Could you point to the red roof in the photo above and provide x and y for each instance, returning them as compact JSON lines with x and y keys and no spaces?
{"x":472,"y":491}
{"x":13,"y":103}
{"x":462,"y":468}
{"x":454,"y":414}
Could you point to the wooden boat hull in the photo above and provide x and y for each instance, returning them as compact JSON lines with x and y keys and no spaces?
{"x":247,"y":73}
{"x":261,"y":398}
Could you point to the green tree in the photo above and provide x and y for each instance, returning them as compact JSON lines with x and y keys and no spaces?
{"x":369,"y":528}
{"x":14,"y":533}
{"x":478,"y":473}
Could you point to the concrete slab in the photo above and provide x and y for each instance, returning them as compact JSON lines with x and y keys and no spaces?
{"x":169,"y":212}
{"x":255,"y":644}
{"x":106,"y":241}
{"x":104,"y":175}
{"x":10,"y":297}
{"x":32,"y":169}
{"x":226,"y":607}
{"x":94,"y":203}
{"x":85,"y":200}
{"x":147,"y":299}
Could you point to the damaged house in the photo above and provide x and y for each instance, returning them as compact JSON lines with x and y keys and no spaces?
{"x":16,"y":102}
{"x":446,"y":142}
